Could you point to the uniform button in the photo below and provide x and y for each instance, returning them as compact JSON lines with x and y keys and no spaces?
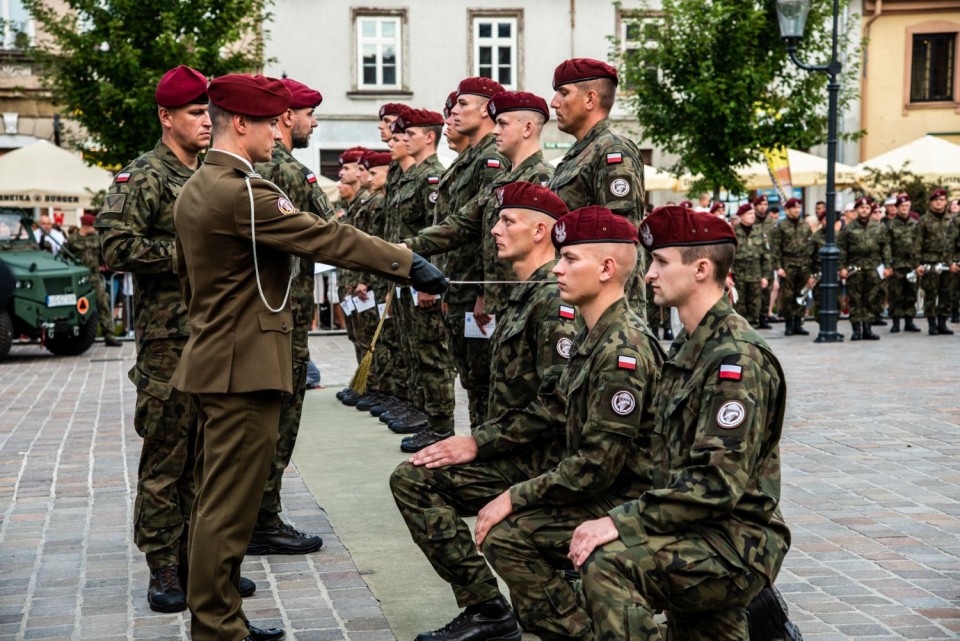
{"x":283,"y":327}
{"x":394,"y":266}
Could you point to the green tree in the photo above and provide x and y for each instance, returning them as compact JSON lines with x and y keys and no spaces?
{"x":104,"y":58}
{"x":713,"y":84}
{"x":878,"y":184}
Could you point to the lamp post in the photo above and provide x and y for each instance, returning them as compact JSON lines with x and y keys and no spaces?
{"x":792,"y":16}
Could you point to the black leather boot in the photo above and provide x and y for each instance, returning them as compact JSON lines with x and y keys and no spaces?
{"x":909,"y":325}
{"x":868,"y":334}
{"x":798,"y":327}
{"x":166,"y":593}
{"x":857,"y":331}
{"x":895,"y":328}
{"x":942,"y":326}
{"x":489,"y":620}
{"x":788,"y":325}
{"x":932,"y":326}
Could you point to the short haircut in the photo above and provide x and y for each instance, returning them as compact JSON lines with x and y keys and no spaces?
{"x":721,"y":256}
{"x":436,"y":130}
{"x":220,"y":119}
{"x":625,"y":255}
{"x":606,"y":91}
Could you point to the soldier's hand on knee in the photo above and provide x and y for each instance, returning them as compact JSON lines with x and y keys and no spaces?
{"x":491,"y":514}
{"x":588,"y":536}
{"x":455,"y":450}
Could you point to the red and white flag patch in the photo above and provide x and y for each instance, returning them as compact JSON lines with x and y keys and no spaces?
{"x":615,"y":158}
{"x":493,"y":162}
{"x":627,"y":362}
{"x":731,"y":372}
{"x":123,"y":177}
{"x":433,"y":180}
{"x":311,"y":178}
{"x":567,"y":312}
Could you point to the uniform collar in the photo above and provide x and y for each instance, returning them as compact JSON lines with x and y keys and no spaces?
{"x":280,"y":152}
{"x":486,"y":143}
{"x":686,"y":349}
{"x":534,"y":159}
{"x":170,"y":159}
{"x":541,"y":274}
{"x":586,"y":339}
{"x":592,"y":135}
{"x":228,"y":159}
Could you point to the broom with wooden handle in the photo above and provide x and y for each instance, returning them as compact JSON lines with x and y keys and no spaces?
{"x":359,"y":381}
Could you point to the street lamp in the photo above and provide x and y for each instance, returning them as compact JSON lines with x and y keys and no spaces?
{"x":792,"y":16}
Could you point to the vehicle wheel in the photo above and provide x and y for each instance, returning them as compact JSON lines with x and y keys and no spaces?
{"x":6,"y":334}
{"x":69,"y":345}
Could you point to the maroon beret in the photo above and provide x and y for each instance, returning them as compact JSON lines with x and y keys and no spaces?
{"x":392,"y":109}
{"x":744,"y":208}
{"x":376,"y":159}
{"x":303,"y":96}
{"x":683,"y":227}
{"x":418,"y":118}
{"x":581,"y":69}
{"x":505,"y":101}
{"x":593,"y":224}
{"x":254,"y":96}
{"x":524,"y":195}
{"x":903,"y":198}
{"x":938,"y":193}
{"x":88,"y":220}
{"x":759,"y":199}
{"x":449,"y":104}
{"x":181,"y":86}
{"x":792,"y":202}
{"x":863,"y":200}
{"x":479,"y":86}
{"x":686,"y":203}
{"x":352,"y":155}
{"x":715,"y":207}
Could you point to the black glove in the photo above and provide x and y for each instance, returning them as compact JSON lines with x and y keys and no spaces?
{"x":426,"y":278}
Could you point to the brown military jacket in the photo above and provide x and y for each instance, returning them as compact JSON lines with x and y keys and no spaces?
{"x":236,"y":343}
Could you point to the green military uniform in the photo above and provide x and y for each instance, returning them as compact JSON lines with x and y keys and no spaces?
{"x":299,"y":183}
{"x":790,"y":250}
{"x":423,"y":334}
{"x":86,"y":247}
{"x":752,"y":262}
{"x":346,"y":279}
{"x":954,"y":278}
{"x":521,"y":439}
{"x":472,"y":179}
{"x":766,"y":224}
{"x":864,"y":245}
{"x":709,"y":535}
{"x":137,"y":232}
{"x":903,"y":294}
{"x":607,"y":390}
{"x":606,"y":169}
{"x":932,"y":246}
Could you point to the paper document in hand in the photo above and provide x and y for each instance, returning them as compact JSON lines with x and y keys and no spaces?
{"x":347,"y":306}
{"x":472,"y":330}
{"x":364,"y":305}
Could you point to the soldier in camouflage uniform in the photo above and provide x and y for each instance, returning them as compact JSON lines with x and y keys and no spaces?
{"x":790,"y":250}
{"x":902,"y":231}
{"x":751,"y":266}
{"x":603,"y":168}
{"x":137,"y":233}
{"x":709,"y":535}
{"x":953,"y":214}
{"x":606,"y":392}
{"x":271,"y":535}
{"x":85,"y":245}
{"x":932,"y":246}
{"x":766,"y":224}
{"x":864,"y":244}
{"x":521,"y":438}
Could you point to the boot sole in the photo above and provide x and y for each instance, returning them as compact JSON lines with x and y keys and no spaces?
{"x":166,"y":609}
{"x":260,"y":549}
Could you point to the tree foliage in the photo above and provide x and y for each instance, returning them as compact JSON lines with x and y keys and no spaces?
{"x":716,"y":86}
{"x":880,"y":183}
{"x":104,"y":58}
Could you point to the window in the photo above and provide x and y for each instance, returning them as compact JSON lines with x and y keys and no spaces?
{"x":932,"y":67}
{"x":495,"y":42}
{"x":379,"y":64}
{"x":639,"y":32}
{"x":18,"y":26}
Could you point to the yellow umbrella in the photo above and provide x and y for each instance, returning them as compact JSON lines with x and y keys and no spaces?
{"x":806,"y":170}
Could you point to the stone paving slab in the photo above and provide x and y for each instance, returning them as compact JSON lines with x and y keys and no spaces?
{"x":871,"y":465}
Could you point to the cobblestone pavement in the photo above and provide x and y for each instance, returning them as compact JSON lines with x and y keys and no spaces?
{"x":871,"y":466}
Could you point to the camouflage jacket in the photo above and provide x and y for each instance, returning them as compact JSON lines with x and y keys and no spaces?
{"x":819,"y":239}
{"x":400,"y":199}
{"x":766,"y":224}
{"x":719,"y":413}
{"x":138,"y":236}
{"x":955,"y":247}
{"x":299,"y":184}
{"x":370,"y":218}
{"x":790,"y":245}
{"x":864,"y":246}
{"x":931,"y":245}
{"x":472,"y":181}
{"x":606,"y":391}
{"x":529,"y":349}
{"x":902,"y":232}
{"x":752,"y":261}
{"x":353,"y":217}
{"x":86,"y":249}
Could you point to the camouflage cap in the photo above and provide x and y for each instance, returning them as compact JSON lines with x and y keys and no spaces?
{"x":594,"y":224}
{"x":674,"y":226}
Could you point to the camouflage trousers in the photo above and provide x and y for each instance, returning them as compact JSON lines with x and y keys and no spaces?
{"x":167,"y":422}
{"x":936,"y":294}
{"x":528,"y":550}
{"x":902,"y":294}
{"x":432,"y":373}
{"x":472,"y":359}
{"x":365,"y":324}
{"x":706,"y":592}
{"x":433,"y":504}
{"x":104,"y":309}
{"x":291,"y":408}
{"x":865,"y":292}
{"x":750,"y":300}
{"x":790,"y":287}
{"x":392,"y":375}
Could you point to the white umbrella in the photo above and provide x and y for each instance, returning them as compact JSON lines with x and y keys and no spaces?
{"x":806,"y":170}
{"x":44,"y":175}
{"x":653,"y":179}
{"x":929,"y":157}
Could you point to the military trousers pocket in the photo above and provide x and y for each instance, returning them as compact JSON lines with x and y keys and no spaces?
{"x":440,"y":523}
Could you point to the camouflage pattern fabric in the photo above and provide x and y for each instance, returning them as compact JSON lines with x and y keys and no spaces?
{"x":87,"y":250}
{"x":766,"y":224}
{"x":864,"y":246}
{"x":954,"y":279}
{"x":752,"y":262}
{"x":368,"y":216}
{"x":709,"y":535}
{"x":902,"y":293}
{"x":790,"y":250}
{"x":931,"y":245}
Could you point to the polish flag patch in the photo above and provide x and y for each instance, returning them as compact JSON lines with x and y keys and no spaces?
{"x":731,"y":372}
{"x":123,"y":177}
{"x":433,"y":180}
{"x":567,"y":312}
{"x":627,"y":362}
{"x":493,"y":162}
{"x":311,"y":178}
{"x":614,"y":158}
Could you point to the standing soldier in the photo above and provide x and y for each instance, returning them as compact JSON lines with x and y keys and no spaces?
{"x":138,"y":236}
{"x":603,"y":168}
{"x":903,"y":294}
{"x":766,"y":224}
{"x":864,"y":245}
{"x":751,"y":266}
{"x":790,"y":249}
{"x":271,"y":535}
{"x":85,"y":245}
{"x":932,"y":247}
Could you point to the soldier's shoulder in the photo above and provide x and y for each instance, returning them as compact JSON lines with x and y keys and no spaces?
{"x":145,"y":169}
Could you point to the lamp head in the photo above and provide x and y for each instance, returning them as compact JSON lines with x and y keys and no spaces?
{"x":792,"y":16}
